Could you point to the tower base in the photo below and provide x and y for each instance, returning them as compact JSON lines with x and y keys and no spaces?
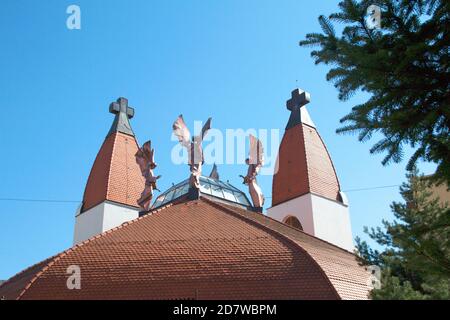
{"x":101,"y":218}
{"x":320,"y":217}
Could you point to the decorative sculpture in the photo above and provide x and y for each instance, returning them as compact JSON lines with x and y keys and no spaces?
{"x":194,"y":148}
{"x":145,"y":158}
{"x":255,"y":161}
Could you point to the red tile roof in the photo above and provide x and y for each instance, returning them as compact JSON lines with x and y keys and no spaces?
{"x":304,"y":166}
{"x":14,"y":286}
{"x":115,"y":175}
{"x":340,"y":266}
{"x":198,"y":250}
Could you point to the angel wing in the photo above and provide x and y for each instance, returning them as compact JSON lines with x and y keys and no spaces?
{"x":152,"y":156}
{"x":206,"y":128}
{"x":256,"y":151}
{"x":181,"y":131}
{"x":145,"y":156}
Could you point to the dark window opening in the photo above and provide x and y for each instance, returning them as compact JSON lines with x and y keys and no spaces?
{"x":293,"y":222}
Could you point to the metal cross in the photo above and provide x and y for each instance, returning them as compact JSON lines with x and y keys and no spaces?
{"x":123,"y":114}
{"x":121,"y":106}
{"x":299,"y":99}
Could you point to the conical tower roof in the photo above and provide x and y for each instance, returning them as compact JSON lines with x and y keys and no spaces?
{"x":304,"y":164}
{"x":115,"y":175}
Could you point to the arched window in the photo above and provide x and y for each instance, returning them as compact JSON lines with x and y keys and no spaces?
{"x":293,"y":222}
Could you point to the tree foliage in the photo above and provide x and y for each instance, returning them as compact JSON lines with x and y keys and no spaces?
{"x":416,"y":256}
{"x":404,"y":66}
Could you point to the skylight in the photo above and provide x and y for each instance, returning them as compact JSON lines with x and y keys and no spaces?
{"x":208,"y":186}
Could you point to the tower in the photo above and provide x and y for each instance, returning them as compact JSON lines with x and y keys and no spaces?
{"x":305,"y":191}
{"x":115,"y":182}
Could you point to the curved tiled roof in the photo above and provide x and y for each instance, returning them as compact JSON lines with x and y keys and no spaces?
{"x":115,"y":175}
{"x":304,"y":166}
{"x":340,"y":266}
{"x":14,"y":286}
{"x":198,"y":250}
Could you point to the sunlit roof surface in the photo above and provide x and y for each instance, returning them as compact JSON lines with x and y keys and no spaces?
{"x":208,"y":186}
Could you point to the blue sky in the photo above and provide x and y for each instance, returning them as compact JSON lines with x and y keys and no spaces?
{"x":236,"y":61}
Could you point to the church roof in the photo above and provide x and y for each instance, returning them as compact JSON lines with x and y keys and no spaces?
{"x":115,"y":175}
{"x":304,"y":164}
{"x":198,"y":249}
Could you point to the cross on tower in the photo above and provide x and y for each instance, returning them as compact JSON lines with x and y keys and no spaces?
{"x":123,"y":113}
{"x":121,"y":106}
{"x":299,"y":99}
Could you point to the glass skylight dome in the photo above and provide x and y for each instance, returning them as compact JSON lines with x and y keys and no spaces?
{"x":208,"y":187}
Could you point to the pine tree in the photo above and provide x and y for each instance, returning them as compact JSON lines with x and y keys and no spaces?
{"x":415,"y":261}
{"x":404,"y":66}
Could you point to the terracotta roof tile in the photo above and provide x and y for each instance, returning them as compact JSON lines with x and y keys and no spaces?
{"x":115,"y":175}
{"x":198,"y":250}
{"x":14,"y":286}
{"x":304,"y":166}
{"x":341,"y":267}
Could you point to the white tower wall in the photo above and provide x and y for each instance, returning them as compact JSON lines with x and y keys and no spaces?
{"x":323,"y":218}
{"x":101,"y":218}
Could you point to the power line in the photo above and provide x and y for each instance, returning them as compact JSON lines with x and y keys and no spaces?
{"x":365,"y":189}
{"x":39,"y":200}
{"x":372,"y":188}
{"x":78,"y":201}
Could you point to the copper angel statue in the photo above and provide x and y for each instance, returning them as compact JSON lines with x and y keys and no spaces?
{"x":145,"y":158}
{"x":194,"y":148}
{"x":255,"y":161}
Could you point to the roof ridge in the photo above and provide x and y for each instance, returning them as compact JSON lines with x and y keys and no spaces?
{"x":306,"y":159}
{"x":189,"y":240}
{"x":299,"y":231}
{"x":330,"y":276}
{"x":25,"y":270}
{"x":329,"y":157}
{"x":127,"y":165}
{"x":280,"y":235}
{"x":110,"y":163}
